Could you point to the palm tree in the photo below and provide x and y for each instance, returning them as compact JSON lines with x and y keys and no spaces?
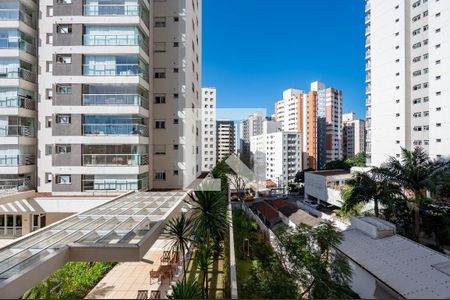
{"x":204,"y":261}
{"x":365,"y":187}
{"x":179,"y":231}
{"x":186,"y":289}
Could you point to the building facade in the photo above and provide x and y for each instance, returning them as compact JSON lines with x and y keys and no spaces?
{"x":209,"y":99}
{"x":119,"y":87}
{"x":407,"y":68}
{"x":249,"y":127}
{"x":226,"y":139}
{"x":354,"y":135}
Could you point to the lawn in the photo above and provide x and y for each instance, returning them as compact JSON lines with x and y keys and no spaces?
{"x":73,"y":281}
{"x":215,"y":276}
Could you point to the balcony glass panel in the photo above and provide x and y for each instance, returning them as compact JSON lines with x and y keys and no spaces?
{"x":114,"y":125}
{"x":115,"y":182}
{"x":115,"y":36}
{"x":17,"y":97}
{"x":111,"y":8}
{"x":17,"y":160}
{"x":15,"y":69}
{"x":114,"y":66}
{"x":115,"y":95}
{"x":12,"y":10}
{"x":16,"y":126}
{"x":115,"y":155}
{"x":15,"y":39}
{"x":14,"y":183}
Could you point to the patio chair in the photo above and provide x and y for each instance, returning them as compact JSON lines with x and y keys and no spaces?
{"x":155,"y":294}
{"x":142,"y":294}
{"x":155,"y":274}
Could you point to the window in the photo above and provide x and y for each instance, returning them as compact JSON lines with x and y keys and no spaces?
{"x":63,"y":149}
{"x":48,"y":122}
{"x":64,"y":1}
{"x":65,"y":89}
{"x":160,"y":176}
{"x":49,"y":39}
{"x":175,"y":121}
{"x":175,"y":147}
{"x":159,"y":47}
{"x":176,"y":19}
{"x":49,"y":11}
{"x":160,"y":124}
{"x":49,"y":66}
{"x":175,"y":70}
{"x":160,"y":21}
{"x":160,"y":98}
{"x":63,"y":58}
{"x":176,"y":44}
{"x":160,"y":149}
{"x":64,"y":29}
{"x":175,"y":96}
{"x":175,"y":172}
{"x":160,"y":73}
{"x":63,"y":179}
{"x":63,"y":119}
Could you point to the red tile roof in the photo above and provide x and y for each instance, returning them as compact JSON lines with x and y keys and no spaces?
{"x":267,"y":211}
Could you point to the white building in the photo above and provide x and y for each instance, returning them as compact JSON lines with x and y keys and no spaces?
{"x":407,"y":77}
{"x":277,"y":156}
{"x":209,"y":96}
{"x":249,"y":127}
{"x":326,"y":186}
{"x":119,"y":89}
{"x":354,"y":135}
{"x":226,"y":137}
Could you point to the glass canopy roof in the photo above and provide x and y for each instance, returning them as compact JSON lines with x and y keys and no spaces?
{"x":126,"y":220}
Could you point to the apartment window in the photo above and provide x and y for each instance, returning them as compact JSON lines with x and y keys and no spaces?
{"x":175,"y":147}
{"x":175,"y":96}
{"x":49,"y":11}
{"x":175,"y":172}
{"x":160,"y":149}
{"x":438,"y":62}
{"x":438,"y":125}
{"x":160,"y":98}
{"x":175,"y":121}
{"x":63,"y":149}
{"x":438,"y":77}
{"x":176,"y":44}
{"x":49,"y":39}
{"x":438,"y":93}
{"x":438,"y":140}
{"x":175,"y":70}
{"x":159,"y":47}
{"x":160,"y":176}
{"x":64,"y":28}
{"x":48,"y":122}
{"x":63,"y":179}
{"x":49,"y":94}
{"x":63,"y":119}
{"x":64,"y":1}
{"x":64,"y":59}
{"x":438,"y":108}
{"x":437,"y":30}
{"x":160,"y":124}
{"x":48,"y":150}
{"x":160,"y":73}
{"x":65,"y":89}
{"x":176,"y":19}
{"x":160,"y":21}
{"x":49,"y":66}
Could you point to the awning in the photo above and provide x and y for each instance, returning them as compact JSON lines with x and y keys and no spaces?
{"x":22,"y":206}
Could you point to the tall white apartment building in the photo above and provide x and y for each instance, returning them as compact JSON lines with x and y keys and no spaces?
{"x":407,"y":46}
{"x":249,"y":127}
{"x":209,"y":96}
{"x":277,"y":156}
{"x":117,"y":90}
{"x":226,"y":137}
{"x":354,"y":135}
{"x":18,"y":93}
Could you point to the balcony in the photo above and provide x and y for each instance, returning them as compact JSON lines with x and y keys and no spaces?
{"x":368,"y":102}
{"x":17,"y":73}
{"x":13,"y":185}
{"x":114,"y":70}
{"x":111,"y":9}
{"x":17,"y":43}
{"x":16,"y":130}
{"x":115,"y":129}
{"x":19,"y":101}
{"x":125,"y":160}
{"x":106,"y":99}
{"x":115,"y":40}
{"x":17,"y":15}
{"x":17,"y":160}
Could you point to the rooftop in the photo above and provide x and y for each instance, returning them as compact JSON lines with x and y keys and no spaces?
{"x":327,"y":173}
{"x":302,"y":217}
{"x":266,"y":210}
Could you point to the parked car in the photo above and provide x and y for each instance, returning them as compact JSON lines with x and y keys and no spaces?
{"x":311,"y":204}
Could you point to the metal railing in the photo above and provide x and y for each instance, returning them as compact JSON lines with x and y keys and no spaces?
{"x":115,"y":129}
{"x":18,"y":101}
{"x":17,"y":43}
{"x":114,"y":70}
{"x":16,"y":130}
{"x":16,"y":73}
{"x":114,"y":99}
{"x":17,"y":160}
{"x":115,"y":40}
{"x":115,"y":159}
{"x":11,"y":186}
{"x":110,"y":10}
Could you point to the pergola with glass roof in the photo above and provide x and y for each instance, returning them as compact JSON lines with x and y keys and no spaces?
{"x":120,"y":230}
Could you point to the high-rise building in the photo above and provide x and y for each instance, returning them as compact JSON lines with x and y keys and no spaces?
{"x":18,"y":93}
{"x":317,"y":116}
{"x":249,"y":127}
{"x":117,"y":93}
{"x":407,"y":64}
{"x":209,"y":96}
{"x":354,"y":135}
{"x":226,"y":137}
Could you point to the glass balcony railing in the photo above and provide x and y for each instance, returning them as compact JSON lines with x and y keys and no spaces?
{"x":115,"y":129}
{"x":115,"y":70}
{"x":115,"y":40}
{"x":11,"y":186}
{"x":115,"y":185}
{"x":18,"y":101}
{"x":17,"y":160}
{"x":17,"y":43}
{"x":111,"y":10}
{"x":106,"y":99}
{"x":16,"y":73}
{"x":15,"y":14}
{"x":16,"y":130}
{"x":115,"y":160}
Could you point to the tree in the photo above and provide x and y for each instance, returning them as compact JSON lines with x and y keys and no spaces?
{"x":204,"y":261}
{"x":308,"y":254}
{"x":337,"y":165}
{"x":365,"y":188}
{"x":186,"y":289}
{"x":359,"y":160}
{"x":300,"y":176}
{"x":179,"y":231}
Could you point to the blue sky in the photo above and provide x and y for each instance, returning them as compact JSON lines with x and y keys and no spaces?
{"x":255,"y":49}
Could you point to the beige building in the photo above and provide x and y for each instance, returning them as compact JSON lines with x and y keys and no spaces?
{"x":226,"y":137}
{"x":354,"y":135}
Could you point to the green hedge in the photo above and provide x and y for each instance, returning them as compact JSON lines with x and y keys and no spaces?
{"x":73,"y":281}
